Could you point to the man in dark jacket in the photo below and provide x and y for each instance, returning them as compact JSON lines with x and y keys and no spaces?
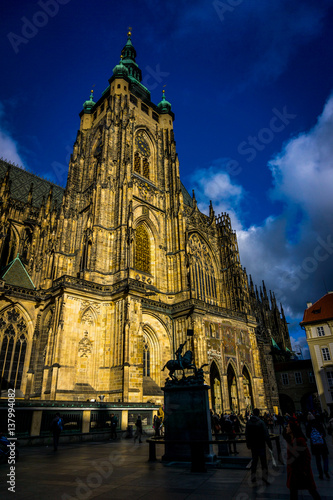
{"x":57,"y":426}
{"x":256,"y":435}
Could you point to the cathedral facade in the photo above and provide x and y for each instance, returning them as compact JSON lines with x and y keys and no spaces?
{"x":103,"y":280}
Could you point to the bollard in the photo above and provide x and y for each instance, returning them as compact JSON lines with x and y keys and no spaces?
{"x":152,"y":451}
{"x":198,"y":457}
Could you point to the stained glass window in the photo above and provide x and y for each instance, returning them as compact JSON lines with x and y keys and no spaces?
{"x":142,"y":249}
{"x":13,"y":344}
{"x":146,"y":358}
{"x":137,"y":163}
{"x":145,"y":168}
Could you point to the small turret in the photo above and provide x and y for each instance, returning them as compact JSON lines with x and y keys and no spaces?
{"x":164,"y":106}
{"x":120,"y":70}
{"x":88,"y":105}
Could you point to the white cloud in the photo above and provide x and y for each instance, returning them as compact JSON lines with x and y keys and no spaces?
{"x":303,"y":171}
{"x":300,"y":345}
{"x":303,"y":181}
{"x":215,"y":185}
{"x":9,"y":149}
{"x":8,"y":146}
{"x":293,"y":251}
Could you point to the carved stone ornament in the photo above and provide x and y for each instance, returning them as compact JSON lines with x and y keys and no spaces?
{"x":85,"y":346}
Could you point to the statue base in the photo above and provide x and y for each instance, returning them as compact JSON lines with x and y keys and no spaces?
{"x":186,"y":418}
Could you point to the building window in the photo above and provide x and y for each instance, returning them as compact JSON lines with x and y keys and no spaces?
{"x":326,"y":354}
{"x":298,"y":378}
{"x":285,"y":378}
{"x":13,"y":345}
{"x":146,"y":358}
{"x":137,"y":163}
{"x":142,"y":249}
{"x":145,"y":108}
{"x":142,"y":156}
{"x":155,"y":116}
{"x":202,"y":273}
{"x":133,"y":100}
{"x":311,"y":377}
{"x":320,"y":331}
{"x":145,"y":168}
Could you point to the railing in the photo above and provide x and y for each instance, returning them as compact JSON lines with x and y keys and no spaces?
{"x":198,"y":448}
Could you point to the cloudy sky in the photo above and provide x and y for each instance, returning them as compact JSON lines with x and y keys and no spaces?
{"x":251,"y":85}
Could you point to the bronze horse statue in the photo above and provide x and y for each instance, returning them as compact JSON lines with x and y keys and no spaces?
{"x":182,"y":363}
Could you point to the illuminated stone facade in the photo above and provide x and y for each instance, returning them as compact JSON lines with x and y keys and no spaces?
{"x":123,"y":266}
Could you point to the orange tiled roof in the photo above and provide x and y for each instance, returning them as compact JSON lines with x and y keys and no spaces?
{"x":322,"y":310}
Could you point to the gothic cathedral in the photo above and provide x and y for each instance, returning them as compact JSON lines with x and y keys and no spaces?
{"x":103,"y":280}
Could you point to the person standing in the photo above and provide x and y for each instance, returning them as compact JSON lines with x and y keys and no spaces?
{"x":138,"y":432}
{"x":114,"y":425}
{"x":57,"y":426}
{"x":256,"y":435}
{"x":299,"y":472}
{"x":316,"y":433}
{"x":157,"y":426}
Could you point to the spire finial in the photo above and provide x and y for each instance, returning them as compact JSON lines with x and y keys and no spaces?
{"x":129,"y":33}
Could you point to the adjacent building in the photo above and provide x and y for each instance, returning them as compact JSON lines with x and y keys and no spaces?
{"x":318,"y":325}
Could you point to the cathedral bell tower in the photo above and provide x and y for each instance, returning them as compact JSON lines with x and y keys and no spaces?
{"x":124,"y":184}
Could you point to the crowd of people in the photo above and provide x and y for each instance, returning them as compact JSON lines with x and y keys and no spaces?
{"x":305,"y":434}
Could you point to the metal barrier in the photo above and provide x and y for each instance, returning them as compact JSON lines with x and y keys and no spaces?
{"x":198,"y":449}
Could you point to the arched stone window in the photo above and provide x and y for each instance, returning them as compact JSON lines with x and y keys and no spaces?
{"x":202,"y":274}
{"x":145,"y":167}
{"x":137,"y":163}
{"x":13,"y":345}
{"x":142,"y":155}
{"x":146,"y":358}
{"x":232,"y":389}
{"x":142,"y":249}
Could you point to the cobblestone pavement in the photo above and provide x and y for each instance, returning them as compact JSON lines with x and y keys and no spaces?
{"x":120,"y":469}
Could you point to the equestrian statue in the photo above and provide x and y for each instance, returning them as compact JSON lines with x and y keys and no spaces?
{"x":180,"y":363}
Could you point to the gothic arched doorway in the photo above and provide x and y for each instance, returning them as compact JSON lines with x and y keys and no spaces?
{"x":247,"y":388}
{"x":215,"y":389}
{"x":232,"y":389}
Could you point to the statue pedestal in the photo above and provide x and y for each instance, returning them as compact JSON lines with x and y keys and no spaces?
{"x":186,"y":418}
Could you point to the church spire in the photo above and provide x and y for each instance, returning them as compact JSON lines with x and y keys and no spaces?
{"x":128,"y":58}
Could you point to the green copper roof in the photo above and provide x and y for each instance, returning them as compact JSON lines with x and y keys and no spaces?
{"x":128,"y":56}
{"x":88,"y":105}
{"x":16,"y":274}
{"x":275,"y":344}
{"x":120,"y":69}
{"x":164,"y":105}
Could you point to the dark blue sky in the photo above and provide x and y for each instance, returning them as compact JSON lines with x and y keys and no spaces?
{"x":250,"y":84}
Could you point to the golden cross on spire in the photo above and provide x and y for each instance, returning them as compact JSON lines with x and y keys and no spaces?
{"x":129,"y":31}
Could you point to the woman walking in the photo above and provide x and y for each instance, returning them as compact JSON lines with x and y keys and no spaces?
{"x":138,"y":432}
{"x":299,"y":472}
